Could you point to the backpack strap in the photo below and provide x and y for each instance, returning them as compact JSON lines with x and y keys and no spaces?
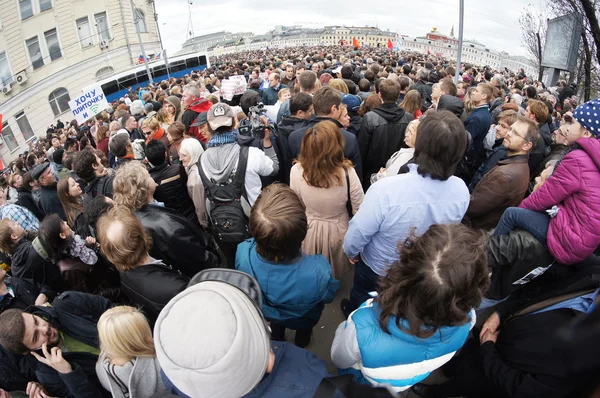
{"x":240,"y":174}
{"x":205,"y":180}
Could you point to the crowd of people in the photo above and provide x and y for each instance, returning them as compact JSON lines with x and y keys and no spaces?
{"x":164,"y":247}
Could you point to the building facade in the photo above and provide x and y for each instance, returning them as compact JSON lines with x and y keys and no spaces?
{"x":474,"y":53}
{"x":204,"y":42}
{"x":51,"y":49}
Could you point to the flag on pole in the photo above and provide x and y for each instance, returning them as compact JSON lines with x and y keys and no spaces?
{"x":355,"y":42}
{"x":141,"y":59}
{"x":390,"y":45}
{"x":0,"y":123}
{"x":158,"y":56}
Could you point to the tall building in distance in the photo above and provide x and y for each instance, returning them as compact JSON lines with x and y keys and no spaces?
{"x":51,"y":49}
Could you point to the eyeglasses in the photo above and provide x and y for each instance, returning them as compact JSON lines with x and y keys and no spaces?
{"x":513,"y":131}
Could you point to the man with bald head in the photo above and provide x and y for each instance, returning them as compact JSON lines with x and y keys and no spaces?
{"x":148,"y":282}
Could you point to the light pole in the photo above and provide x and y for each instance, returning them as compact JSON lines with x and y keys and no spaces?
{"x":461,"y":18}
{"x":136,"y":18}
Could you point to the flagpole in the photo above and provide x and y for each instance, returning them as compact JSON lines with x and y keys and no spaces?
{"x":136,"y":18}
{"x":461,"y":17}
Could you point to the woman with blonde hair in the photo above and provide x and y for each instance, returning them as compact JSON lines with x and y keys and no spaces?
{"x":128,"y":366}
{"x":339,"y":85}
{"x":329,"y":187}
{"x":403,"y":156}
{"x":152,"y":129}
{"x":412,"y":103}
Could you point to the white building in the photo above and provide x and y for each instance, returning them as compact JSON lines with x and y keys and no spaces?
{"x":51,"y":49}
{"x":204,"y":42}
{"x":474,"y":53}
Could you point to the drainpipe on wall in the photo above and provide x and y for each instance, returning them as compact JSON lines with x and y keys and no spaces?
{"x":126,"y":35}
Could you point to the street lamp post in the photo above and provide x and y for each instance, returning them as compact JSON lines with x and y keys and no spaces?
{"x":461,"y":17}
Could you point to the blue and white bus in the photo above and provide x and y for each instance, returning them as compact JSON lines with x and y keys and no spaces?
{"x":117,"y":85}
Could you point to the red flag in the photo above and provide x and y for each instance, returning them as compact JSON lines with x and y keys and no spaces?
{"x":355,"y":42}
{"x":0,"y":123}
{"x":390,"y":44}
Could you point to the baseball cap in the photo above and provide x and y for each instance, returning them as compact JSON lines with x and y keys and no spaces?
{"x":201,"y":119}
{"x":351,"y":101}
{"x":220,"y":115}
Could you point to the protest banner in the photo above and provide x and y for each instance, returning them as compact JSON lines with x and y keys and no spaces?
{"x":88,"y":104}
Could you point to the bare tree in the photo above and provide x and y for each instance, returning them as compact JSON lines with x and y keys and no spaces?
{"x":533,"y":34}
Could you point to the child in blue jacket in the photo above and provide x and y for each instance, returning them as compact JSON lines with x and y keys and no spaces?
{"x":295,"y":286}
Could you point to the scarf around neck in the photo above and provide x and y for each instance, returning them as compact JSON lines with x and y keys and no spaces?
{"x":222,"y":139}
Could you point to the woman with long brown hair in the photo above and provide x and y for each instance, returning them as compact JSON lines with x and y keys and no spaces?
{"x":71,"y":198}
{"x":372,"y":102}
{"x":326,"y":182}
{"x":412,"y":103}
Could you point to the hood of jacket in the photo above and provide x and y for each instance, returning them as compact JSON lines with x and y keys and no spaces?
{"x":201,"y":105}
{"x":391,"y":112}
{"x":452,"y":104}
{"x":591,"y":146}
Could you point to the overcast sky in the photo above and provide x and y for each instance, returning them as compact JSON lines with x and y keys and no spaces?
{"x":492,"y":23}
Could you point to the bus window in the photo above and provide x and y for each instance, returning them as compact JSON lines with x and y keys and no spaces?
{"x":203,"y":60}
{"x":159,"y":71}
{"x":192,"y":62}
{"x":127,"y":81}
{"x":142,"y":77}
{"x":177,"y":66}
{"x":110,"y":87}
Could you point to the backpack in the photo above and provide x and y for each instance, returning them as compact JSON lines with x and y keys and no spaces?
{"x":226,"y":214}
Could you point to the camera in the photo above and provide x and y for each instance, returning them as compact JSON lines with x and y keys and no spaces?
{"x":255,"y":126}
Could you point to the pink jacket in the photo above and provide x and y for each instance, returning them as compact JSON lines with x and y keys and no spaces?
{"x":574,"y":187}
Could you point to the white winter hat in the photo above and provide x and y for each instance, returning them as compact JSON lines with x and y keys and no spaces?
{"x":211,"y":341}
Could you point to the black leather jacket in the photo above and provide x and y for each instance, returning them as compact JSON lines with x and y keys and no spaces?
{"x":171,"y":189}
{"x":152,"y":286}
{"x":177,"y":241}
{"x":381,"y":135}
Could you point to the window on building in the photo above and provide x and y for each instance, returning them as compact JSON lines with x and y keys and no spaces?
{"x":140,"y":20}
{"x":59,"y":101}
{"x":102,"y":25}
{"x":53,"y":44}
{"x":35,"y":52}
{"x":9,"y":138}
{"x":84,"y":32}
{"x":26,"y":7}
{"x":103,"y":72}
{"x":24,"y":125}
{"x":45,"y":5}
{"x":5,"y":73}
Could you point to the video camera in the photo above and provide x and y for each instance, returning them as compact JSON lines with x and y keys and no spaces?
{"x":255,"y":127}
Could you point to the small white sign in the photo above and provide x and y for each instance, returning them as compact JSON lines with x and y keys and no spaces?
{"x":88,"y":104}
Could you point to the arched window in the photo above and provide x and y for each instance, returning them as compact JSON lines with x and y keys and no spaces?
{"x":104,"y":72}
{"x":59,"y":100}
{"x":140,"y":20}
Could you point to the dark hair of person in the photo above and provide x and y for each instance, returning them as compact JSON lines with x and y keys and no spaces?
{"x":176,"y":130}
{"x":404,"y":82}
{"x":118,"y":145}
{"x":346,"y":72}
{"x":31,"y":161}
{"x":389,"y":90}
{"x":531,"y":92}
{"x":440,"y":145}
{"x":307,"y":80}
{"x":156,"y":152}
{"x":27,"y":180}
{"x":49,"y":235}
{"x":69,"y":143}
{"x":364,"y":85}
{"x":324,"y":98}
{"x":125,"y":119}
{"x":278,"y":223}
{"x":440,"y":277}
{"x":95,"y":209}
{"x":370,"y":76}
{"x":300,"y":102}
{"x":352,"y":89}
{"x":72,"y":206}
{"x":68,"y":162}
{"x":83,"y":165}
{"x":249,"y":99}
{"x":12,"y":331}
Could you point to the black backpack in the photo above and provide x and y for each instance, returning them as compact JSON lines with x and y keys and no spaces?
{"x":227,"y":217}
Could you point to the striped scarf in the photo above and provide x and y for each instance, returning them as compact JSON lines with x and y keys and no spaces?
{"x":222,"y":139}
